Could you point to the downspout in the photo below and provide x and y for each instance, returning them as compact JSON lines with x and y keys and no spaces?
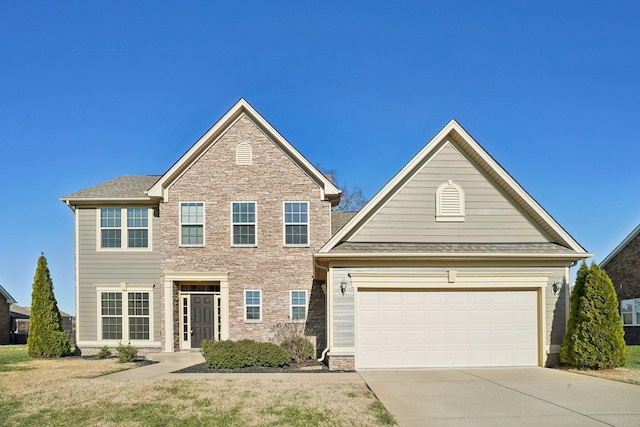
{"x":324,"y":352}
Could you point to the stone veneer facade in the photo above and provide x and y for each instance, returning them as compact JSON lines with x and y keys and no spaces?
{"x":272,"y":179}
{"x":624,"y":271}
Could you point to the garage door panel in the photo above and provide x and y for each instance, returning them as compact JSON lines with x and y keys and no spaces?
{"x":446,"y":328}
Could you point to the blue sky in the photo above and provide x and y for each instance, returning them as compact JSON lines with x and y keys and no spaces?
{"x":93,"y":90}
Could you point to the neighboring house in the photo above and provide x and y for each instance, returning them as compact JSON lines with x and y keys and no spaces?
{"x":5,"y":319}
{"x":452,"y":263}
{"x":20,"y":324}
{"x":623,"y":267}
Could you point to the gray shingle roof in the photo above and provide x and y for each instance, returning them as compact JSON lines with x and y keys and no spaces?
{"x":339,"y":219}
{"x":122,"y":187}
{"x":453,"y":248}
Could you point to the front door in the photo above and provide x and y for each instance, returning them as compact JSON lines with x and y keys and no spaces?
{"x":202,"y":318}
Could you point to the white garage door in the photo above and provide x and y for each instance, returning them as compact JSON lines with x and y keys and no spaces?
{"x":417,"y":329}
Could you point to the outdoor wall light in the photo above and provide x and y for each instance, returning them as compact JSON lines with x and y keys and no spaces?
{"x":343,"y":286}
{"x":555,"y":288}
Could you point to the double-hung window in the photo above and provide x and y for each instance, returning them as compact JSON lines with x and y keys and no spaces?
{"x":253,"y":305}
{"x":296,"y":223}
{"x":630,"y":311}
{"x":192,"y":224}
{"x":298,"y":305}
{"x":133,"y":232}
{"x":243,"y":220}
{"x":130,"y":323}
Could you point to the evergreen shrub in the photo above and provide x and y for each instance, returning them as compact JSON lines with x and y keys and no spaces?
{"x":595,"y":336}
{"x":242,"y":354}
{"x":126,"y":353}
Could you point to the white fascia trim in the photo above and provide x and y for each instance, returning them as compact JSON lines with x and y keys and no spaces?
{"x":92,"y":200}
{"x":448,"y":256}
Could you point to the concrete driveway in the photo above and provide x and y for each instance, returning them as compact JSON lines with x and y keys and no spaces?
{"x":503,"y":397}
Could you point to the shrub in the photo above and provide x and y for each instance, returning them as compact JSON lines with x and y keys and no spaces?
{"x":299,"y":348}
{"x":595,"y":336}
{"x":291,"y":337}
{"x":46,"y":334}
{"x":126,"y":353}
{"x":243,"y":353}
{"x":104,"y":352}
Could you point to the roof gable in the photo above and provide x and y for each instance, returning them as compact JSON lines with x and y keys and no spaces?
{"x":242,"y":108}
{"x":7,"y":295}
{"x":633,"y":235}
{"x":542,"y":227}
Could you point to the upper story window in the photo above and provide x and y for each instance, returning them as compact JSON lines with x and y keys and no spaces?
{"x":244,"y":154}
{"x":630,"y":311}
{"x":296,"y":223}
{"x":450,"y":202}
{"x":192,"y":223}
{"x":243,"y":223}
{"x":130,"y":233}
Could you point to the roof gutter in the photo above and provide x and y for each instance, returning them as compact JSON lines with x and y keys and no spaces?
{"x":450,"y":256}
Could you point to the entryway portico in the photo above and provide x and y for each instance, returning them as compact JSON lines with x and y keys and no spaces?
{"x":196,"y":307}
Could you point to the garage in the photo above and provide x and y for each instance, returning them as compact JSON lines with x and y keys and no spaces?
{"x":446,"y":328}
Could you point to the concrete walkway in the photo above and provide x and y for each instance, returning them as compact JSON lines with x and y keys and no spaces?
{"x":503,"y":397}
{"x":165,"y":371}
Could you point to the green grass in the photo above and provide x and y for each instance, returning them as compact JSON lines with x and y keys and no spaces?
{"x":634,"y":357}
{"x":383,"y":416}
{"x":12,"y":354}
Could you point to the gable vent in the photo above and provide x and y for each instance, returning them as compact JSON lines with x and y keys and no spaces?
{"x":449,"y":202}
{"x":244,"y":154}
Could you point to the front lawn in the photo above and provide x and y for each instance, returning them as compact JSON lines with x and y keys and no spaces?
{"x":72,"y":391}
{"x":629,"y":374}
{"x":12,"y":354}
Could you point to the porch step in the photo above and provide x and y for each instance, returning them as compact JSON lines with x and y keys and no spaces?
{"x":180,"y":356}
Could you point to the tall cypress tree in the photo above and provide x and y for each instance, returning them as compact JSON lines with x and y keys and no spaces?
{"x":595,"y":336}
{"x":46,"y":334}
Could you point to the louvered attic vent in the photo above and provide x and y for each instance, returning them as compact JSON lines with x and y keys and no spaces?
{"x":449,"y":202}
{"x":244,"y":154}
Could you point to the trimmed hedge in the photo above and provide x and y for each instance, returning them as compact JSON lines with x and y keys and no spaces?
{"x":243,"y":353}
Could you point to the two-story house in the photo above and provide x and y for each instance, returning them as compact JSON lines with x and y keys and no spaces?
{"x":220,"y":246}
{"x":452,"y":263}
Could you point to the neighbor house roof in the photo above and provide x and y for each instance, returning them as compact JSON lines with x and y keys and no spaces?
{"x":26,"y":311}
{"x":126,"y":187}
{"x":621,"y":246}
{"x":7,"y":295}
{"x":487,"y":164}
{"x":242,"y":107}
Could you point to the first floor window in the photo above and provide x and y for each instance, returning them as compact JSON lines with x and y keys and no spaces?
{"x":192,"y":224}
{"x":130,"y":324}
{"x":252,"y":305}
{"x":296,"y":223}
{"x":630,"y":311}
{"x":298,"y":305}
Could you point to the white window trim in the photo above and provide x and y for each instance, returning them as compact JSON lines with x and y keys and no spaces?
{"x":124,"y":289}
{"x":124,"y":237}
{"x":204,"y":225}
{"x":255,"y":224}
{"x":635,"y":309}
{"x":284,"y":226}
{"x":450,"y":217}
{"x":291,"y":305}
{"x":259,"y":305}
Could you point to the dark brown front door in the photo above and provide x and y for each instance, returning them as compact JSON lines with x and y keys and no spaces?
{"x":201,"y":319}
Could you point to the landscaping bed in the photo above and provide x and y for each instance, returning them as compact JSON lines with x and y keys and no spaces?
{"x":303,"y":367}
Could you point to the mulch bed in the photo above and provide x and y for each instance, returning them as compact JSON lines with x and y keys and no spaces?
{"x":301,"y":368}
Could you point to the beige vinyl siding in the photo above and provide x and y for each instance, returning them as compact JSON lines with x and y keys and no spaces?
{"x":343,"y":306}
{"x":410,"y":214}
{"x":105,"y":268}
